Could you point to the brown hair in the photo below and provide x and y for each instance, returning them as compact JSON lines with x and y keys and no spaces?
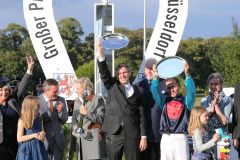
{"x":194,"y":121}
{"x":48,"y":83}
{"x":215,"y":75}
{"x":29,"y":111}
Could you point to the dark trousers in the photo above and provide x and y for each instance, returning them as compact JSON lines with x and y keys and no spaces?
{"x":152,"y":152}
{"x":119,"y":143}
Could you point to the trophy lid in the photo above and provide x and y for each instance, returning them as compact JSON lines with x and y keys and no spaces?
{"x":114,"y":41}
{"x":170,"y":67}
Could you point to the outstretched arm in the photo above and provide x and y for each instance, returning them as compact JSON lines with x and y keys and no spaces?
{"x":105,"y":74}
{"x":26,"y":79}
{"x":190,"y":88}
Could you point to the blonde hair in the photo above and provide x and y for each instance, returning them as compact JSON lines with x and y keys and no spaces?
{"x":194,"y":121}
{"x":85,"y":83}
{"x":29,"y":111}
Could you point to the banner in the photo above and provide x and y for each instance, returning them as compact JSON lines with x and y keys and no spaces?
{"x":48,"y":45}
{"x":167,"y":32}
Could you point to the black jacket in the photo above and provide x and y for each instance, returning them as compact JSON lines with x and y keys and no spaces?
{"x":120,"y":110}
{"x":236,"y":113}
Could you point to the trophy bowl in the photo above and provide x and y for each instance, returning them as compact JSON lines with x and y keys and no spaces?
{"x":114,"y":41}
{"x":170,"y":67}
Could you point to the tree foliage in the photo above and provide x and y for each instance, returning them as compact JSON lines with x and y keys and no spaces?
{"x":219,"y":54}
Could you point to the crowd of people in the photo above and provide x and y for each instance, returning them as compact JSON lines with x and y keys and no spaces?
{"x":150,"y":120}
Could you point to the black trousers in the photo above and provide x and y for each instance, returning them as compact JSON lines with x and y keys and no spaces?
{"x":152,"y":152}
{"x":119,"y":143}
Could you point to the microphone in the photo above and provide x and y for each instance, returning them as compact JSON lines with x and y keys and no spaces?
{"x":84,"y":97}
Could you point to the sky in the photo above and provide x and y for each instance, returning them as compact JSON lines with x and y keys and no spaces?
{"x":206,"y":18}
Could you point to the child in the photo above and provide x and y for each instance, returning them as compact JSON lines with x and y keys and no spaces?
{"x":202,"y":144}
{"x":29,"y":134}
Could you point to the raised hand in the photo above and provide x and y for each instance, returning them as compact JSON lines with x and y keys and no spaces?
{"x":186,"y":69}
{"x":30,"y":63}
{"x":100,"y":49}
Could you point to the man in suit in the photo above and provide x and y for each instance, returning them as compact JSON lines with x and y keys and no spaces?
{"x":152,"y":112}
{"x":54,"y":113}
{"x":236,"y":119}
{"x":124,"y":121}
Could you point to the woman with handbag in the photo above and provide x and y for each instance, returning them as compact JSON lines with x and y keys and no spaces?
{"x":217,"y":104}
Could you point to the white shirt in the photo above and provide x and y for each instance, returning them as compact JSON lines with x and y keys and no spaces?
{"x":129,"y":90}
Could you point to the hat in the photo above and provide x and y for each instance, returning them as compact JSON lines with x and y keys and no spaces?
{"x":4,"y":80}
{"x":150,"y":62}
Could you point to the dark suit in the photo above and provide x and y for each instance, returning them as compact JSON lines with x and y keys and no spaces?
{"x":152,"y":114}
{"x":236,"y":115}
{"x":52,"y":123}
{"x":124,"y":121}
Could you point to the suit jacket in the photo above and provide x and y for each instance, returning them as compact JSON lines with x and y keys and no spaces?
{"x":236,"y":113}
{"x":96,"y":108}
{"x":52,"y":123}
{"x":120,"y":110}
{"x":152,"y":113}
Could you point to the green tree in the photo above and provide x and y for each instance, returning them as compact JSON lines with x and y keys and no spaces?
{"x":235,"y":33}
{"x":225,"y":57}
{"x":86,"y":69}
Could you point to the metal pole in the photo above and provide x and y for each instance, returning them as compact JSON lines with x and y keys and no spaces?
{"x":144,"y":28}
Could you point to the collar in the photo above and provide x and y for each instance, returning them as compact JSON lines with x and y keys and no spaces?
{"x":45,"y":98}
{"x":128,"y":85}
{"x":81,"y":99}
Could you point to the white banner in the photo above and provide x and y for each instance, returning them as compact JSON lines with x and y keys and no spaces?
{"x":48,"y":45}
{"x":167,"y":32}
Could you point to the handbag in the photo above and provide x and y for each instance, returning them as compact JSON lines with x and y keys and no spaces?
{"x":214,"y":122}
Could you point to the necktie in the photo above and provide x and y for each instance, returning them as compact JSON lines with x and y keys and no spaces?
{"x":50,"y":105}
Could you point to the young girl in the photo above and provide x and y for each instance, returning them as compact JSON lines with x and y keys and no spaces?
{"x":202,"y":144}
{"x":29,"y":134}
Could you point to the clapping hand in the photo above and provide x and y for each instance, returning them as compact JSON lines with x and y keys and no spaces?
{"x":60,"y":107}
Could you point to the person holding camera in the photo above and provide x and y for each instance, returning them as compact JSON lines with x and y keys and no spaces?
{"x":88,"y":115}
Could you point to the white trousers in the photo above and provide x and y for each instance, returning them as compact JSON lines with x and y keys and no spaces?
{"x":174,"y":147}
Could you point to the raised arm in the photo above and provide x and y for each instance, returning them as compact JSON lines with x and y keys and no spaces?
{"x":20,"y":90}
{"x":158,"y":96}
{"x":190,"y":88}
{"x":105,"y":74}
